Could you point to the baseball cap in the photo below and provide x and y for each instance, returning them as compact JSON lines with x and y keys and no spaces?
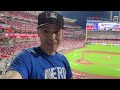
{"x":50,"y":17}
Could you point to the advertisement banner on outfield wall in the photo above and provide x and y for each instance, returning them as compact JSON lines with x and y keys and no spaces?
{"x":116,"y":44}
{"x":103,"y":43}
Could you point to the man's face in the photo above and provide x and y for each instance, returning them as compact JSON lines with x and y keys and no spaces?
{"x":50,"y":36}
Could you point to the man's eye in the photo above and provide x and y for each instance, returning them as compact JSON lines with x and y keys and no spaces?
{"x":46,"y":31}
{"x":57,"y":32}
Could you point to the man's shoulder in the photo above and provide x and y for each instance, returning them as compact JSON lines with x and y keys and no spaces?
{"x":29,"y":51}
{"x":34,"y":51}
{"x":60,"y":55}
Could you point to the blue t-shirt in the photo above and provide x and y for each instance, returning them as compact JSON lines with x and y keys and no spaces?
{"x":34,"y":63}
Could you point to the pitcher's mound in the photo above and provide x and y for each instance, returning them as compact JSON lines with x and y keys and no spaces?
{"x":84,"y":62}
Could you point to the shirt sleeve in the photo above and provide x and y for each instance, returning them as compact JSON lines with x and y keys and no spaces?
{"x":21,"y":64}
{"x":68,"y":70}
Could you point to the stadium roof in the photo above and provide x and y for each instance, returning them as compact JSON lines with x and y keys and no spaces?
{"x":36,"y":13}
{"x":33,"y":12}
{"x":69,"y":20}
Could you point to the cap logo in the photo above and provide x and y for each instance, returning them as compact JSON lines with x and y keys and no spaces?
{"x":51,"y":15}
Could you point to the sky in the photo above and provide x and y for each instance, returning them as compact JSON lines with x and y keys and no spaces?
{"x":82,"y":15}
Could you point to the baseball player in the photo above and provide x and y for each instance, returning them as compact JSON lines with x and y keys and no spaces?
{"x":43,"y":62}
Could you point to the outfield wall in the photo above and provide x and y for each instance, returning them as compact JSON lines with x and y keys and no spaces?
{"x":95,"y":43}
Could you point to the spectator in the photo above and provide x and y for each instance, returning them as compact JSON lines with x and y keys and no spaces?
{"x":42,"y":62}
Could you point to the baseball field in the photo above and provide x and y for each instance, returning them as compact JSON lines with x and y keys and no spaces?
{"x":99,"y":60}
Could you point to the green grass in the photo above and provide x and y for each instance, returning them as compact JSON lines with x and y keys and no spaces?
{"x":104,"y":48}
{"x":101,"y":65}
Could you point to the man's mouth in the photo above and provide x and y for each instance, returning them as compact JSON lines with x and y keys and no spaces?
{"x":51,"y":43}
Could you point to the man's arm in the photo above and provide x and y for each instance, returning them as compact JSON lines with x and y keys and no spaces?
{"x":12,"y":75}
{"x":19,"y":67}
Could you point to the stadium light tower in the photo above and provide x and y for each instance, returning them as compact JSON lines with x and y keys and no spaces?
{"x":119,"y":16}
{"x":111,"y":14}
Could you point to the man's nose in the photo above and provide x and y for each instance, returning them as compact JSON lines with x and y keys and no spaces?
{"x":52,"y":36}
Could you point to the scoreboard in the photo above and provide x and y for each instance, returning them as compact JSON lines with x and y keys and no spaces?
{"x":92,"y":23}
{"x":94,"y":19}
{"x":96,"y":23}
{"x":108,"y":26}
{"x":92,"y":26}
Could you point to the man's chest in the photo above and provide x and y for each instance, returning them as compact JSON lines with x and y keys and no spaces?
{"x":47,"y":70}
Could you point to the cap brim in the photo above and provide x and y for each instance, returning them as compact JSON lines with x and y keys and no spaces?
{"x":49,"y":23}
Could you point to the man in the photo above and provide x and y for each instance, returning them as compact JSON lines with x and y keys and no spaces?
{"x":43,"y":62}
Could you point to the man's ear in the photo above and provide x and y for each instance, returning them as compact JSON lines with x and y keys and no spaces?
{"x":38,"y":31}
{"x":63,"y":34}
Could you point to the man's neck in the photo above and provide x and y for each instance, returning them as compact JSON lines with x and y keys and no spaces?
{"x":48,"y":52}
